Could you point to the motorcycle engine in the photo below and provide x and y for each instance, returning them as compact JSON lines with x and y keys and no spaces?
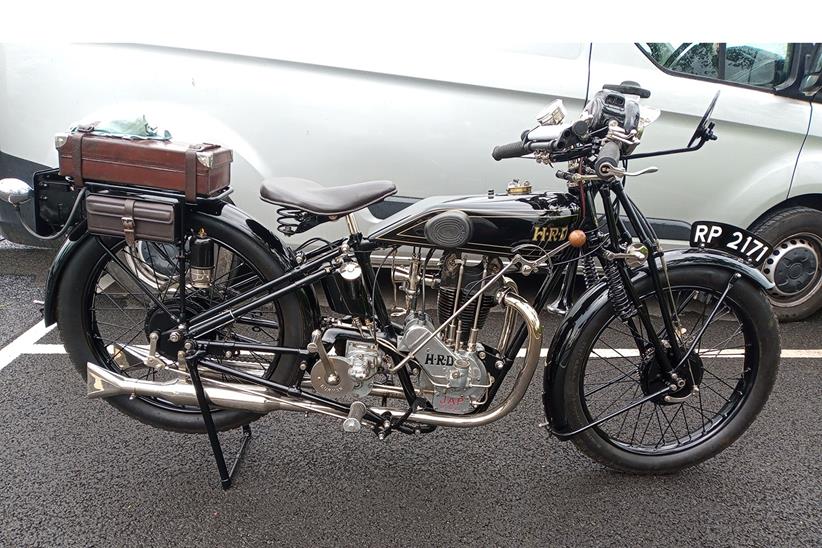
{"x":454,"y":377}
{"x":453,"y":380}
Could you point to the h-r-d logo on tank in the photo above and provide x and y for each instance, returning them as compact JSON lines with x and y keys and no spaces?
{"x":438,"y":359}
{"x":549,"y":233}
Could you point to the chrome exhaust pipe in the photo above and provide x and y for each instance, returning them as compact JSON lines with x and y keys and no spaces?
{"x":103,"y":383}
{"x":508,"y":322}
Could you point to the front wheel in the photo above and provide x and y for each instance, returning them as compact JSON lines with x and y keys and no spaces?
{"x":733,"y":368}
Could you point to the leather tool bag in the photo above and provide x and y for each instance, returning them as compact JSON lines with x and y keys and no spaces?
{"x":131,"y":218}
{"x":197,"y":170}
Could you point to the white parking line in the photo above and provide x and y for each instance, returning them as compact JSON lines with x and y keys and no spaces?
{"x":23,"y":344}
{"x":46,"y":349}
{"x":27,"y":344}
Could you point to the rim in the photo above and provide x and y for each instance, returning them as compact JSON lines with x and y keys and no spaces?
{"x":121,"y":314}
{"x":784,"y":267}
{"x":617,"y":367}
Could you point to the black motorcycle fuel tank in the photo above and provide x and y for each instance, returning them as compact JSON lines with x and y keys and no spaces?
{"x":498,"y":222}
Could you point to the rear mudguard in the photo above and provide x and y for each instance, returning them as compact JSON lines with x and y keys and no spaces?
{"x":578,"y":318}
{"x":227,"y":213}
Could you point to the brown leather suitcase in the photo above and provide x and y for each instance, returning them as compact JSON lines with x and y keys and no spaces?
{"x":197,"y":170}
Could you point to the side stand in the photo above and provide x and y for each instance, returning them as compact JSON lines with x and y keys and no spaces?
{"x":226,"y":475}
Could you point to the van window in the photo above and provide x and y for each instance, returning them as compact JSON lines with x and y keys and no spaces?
{"x":761,"y":65}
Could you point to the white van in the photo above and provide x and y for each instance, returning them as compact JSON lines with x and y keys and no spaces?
{"x":429,"y":120}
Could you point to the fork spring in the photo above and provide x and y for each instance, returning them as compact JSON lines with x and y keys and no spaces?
{"x":616,"y":293}
{"x":589,"y":272}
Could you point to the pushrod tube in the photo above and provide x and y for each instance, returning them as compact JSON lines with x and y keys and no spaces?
{"x":453,"y":316}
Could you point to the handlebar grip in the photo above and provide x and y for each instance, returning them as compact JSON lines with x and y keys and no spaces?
{"x":510,"y":150}
{"x":609,"y":155}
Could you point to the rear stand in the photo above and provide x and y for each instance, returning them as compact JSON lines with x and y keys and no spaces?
{"x":226,"y":475}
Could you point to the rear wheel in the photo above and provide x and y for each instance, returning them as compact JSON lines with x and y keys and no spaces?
{"x":105,"y":316}
{"x":733,"y":368}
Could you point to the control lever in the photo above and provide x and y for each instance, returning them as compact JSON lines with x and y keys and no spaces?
{"x":618,"y":172}
{"x":152,"y":360}
{"x":316,"y":346}
{"x":575,"y":177}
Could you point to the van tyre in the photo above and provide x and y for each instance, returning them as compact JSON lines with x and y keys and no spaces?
{"x":795,"y":266}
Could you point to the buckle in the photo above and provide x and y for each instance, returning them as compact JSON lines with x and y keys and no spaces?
{"x":128,"y":229}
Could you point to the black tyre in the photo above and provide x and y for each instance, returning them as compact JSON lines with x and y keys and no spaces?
{"x":735,"y":370}
{"x":102,"y":311}
{"x":795,"y":266}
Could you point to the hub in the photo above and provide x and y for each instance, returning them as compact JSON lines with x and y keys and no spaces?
{"x":158,"y":320}
{"x":653,"y":380}
{"x":794,"y":266}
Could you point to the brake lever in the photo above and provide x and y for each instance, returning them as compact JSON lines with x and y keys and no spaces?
{"x":618,"y":172}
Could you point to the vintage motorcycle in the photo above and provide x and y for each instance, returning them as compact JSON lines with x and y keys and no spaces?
{"x":663,"y":361}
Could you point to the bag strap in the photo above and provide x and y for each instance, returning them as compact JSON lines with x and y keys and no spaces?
{"x":128,"y":221}
{"x":191,"y":174}
{"x":77,"y":152}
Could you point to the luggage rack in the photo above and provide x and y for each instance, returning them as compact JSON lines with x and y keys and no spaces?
{"x":126,"y":189}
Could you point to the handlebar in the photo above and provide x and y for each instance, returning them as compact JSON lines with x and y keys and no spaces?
{"x":608,"y":156}
{"x":510,"y":150}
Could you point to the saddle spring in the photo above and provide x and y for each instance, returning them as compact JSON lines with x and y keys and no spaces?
{"x":292,"y":221}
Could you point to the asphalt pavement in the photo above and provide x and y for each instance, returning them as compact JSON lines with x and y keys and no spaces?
{"x":77,"y":472}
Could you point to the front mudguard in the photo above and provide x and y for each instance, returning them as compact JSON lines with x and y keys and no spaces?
{"x":227,"y":213}
{"x":579,"y":317}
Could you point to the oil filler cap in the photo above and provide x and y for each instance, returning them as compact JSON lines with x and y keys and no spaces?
{"x":518,"y":187}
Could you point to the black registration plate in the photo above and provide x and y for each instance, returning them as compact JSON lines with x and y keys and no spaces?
{"x":730,"y":239}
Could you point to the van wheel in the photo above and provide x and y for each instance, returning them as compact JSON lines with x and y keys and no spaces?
{"x":795,"y":266}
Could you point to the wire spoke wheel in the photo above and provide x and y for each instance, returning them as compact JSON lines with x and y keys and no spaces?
{"x":726,"y":379}
{"x":622,"y":369}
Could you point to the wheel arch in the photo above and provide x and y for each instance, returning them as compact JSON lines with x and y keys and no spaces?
{"x":811,"y":200}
